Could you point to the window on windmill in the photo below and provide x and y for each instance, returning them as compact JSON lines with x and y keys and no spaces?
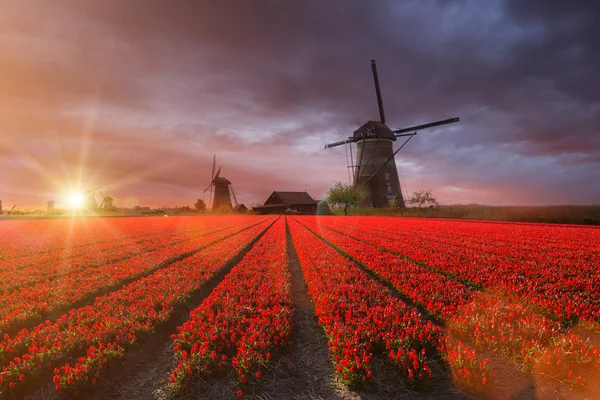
{"x":389,"y":189}
{"x":387,"y":176}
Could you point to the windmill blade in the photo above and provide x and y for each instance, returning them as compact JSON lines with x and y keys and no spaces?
{"x":217,"y":174}
{"x":330,"y":145}
{"x":208,"y":187}
{"x":429,"y":125}
{"x":233,"y":195}
{"x":102,"y":204}
{"x":378,"y":91}
{"x":212,"y":176}
{"x":93,"y":190}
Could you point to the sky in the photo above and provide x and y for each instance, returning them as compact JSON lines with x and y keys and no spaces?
{"x":139,"y":95}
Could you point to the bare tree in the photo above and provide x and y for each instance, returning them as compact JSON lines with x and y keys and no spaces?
{"x":422,"y":197}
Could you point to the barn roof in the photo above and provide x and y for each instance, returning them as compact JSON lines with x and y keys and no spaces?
{"x":295,"y":197}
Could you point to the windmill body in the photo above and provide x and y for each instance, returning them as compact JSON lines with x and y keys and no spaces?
{"x":378,"y":177}
{"x":221,"y":190}
{"x":375,"y":170}
{"x":222,"y":194}
{"x":107,"y":203}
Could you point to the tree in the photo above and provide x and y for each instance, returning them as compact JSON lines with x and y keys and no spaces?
{"x":343,"y":194}
{"x":200,"y":205}
{"x":422,"y":197}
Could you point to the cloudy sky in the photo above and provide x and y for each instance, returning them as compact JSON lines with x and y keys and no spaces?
{"x":140,"y":94}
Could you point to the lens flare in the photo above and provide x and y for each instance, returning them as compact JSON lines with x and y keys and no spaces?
{"x":76,"y":200}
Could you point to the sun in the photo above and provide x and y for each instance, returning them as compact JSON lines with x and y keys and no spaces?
{"x":76,"y":199}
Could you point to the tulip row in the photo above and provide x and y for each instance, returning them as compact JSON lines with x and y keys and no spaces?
{"x":113,"y":322}
{"x":506,"y":326}
{"x":560,"y":248}
{"x":94,"y":256}
{"x":567,"y":290}
{"x":360,"y":315}
{"x":438,"y":294}
{"x":58,"y":254}
{"x":78,"y":237}
{"x":30,"y":305}
{"x":246,"y":318}
{"x":38,"y":237}
{"x":493,"y":322}
{"x":52,"y":267}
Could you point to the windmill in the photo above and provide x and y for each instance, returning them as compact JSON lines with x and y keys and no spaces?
{"x":221,"y":190}
{"x":89,"y":196}
{"x":50,"y":204}
{"x":375,"y":168}
{"x":107,"y":203}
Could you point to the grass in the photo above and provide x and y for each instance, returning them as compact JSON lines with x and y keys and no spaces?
{"x":567,"y":214}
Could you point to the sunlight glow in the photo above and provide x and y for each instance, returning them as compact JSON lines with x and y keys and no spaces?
{"x":76,"y":199}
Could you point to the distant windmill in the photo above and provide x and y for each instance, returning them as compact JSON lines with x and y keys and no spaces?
{"x":221,"y":190}
{"x":375,"y":168}
{"x":107,"y":203}
{"x":90,"y":198}
{"x":89,"y":195}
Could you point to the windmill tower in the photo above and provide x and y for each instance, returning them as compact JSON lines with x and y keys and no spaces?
{"x":375,"y":168}
{"x":221,"y":190}
{"x":107,"y":203}
{"x":89,"y":195}
{"x":50,"y":204}
{"x":90,"y":199}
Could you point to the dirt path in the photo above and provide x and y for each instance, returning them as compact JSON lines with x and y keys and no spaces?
{"x":304,"y":371}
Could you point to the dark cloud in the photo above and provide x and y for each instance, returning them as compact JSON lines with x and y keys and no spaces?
{"x":140,"y":94}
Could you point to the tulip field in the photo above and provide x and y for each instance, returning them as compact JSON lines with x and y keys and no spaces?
{"x":439,"y":308}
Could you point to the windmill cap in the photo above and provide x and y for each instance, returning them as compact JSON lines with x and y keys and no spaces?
{"x":375,"y":128}
{"x":221,"y":181}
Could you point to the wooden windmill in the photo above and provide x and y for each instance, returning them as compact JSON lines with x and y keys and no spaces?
{"x":107,"y":203}
{"x":221,"y":190}
{"x":375,"y":168}
{"x":89,"y":195}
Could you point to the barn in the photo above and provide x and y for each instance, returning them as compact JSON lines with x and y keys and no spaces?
{"x":240,"y":208}
{"x":288,"y":203}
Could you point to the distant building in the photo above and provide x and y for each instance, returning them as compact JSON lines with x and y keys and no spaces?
{"x":288,"y":203}
{"x":240,"y":209}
